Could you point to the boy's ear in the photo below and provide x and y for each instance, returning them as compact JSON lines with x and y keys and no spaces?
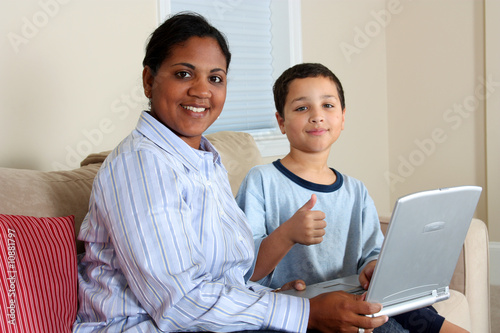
{"x":147,"y":81}
{"x":281,"y":123}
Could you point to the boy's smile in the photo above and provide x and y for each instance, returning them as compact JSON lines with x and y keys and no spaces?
{"x":317,"y":131}
{"x":313,"y":115}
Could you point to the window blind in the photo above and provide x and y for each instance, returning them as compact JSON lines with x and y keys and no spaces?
{"x":247,"y":25}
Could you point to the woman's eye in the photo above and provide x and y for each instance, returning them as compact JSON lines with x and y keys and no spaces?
{"x":216,"y":79}
{"x":183,"y":74}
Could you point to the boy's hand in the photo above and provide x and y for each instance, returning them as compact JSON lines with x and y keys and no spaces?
{"x":342,"y":312}
{"x":366,"y":274}
{"x":295,"y":284}
{"x":306,"y":226}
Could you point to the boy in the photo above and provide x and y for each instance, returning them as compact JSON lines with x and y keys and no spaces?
{"x":335,"y":212}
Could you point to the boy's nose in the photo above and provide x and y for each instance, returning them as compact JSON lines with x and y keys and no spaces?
{"x":316,"y":116}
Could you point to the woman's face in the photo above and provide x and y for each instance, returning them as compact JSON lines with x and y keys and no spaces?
{"x":188,"y":92}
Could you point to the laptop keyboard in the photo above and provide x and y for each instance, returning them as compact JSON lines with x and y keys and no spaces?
{"x":356,"y":291}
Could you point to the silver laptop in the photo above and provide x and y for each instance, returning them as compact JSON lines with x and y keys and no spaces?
{"x":419,"y":254}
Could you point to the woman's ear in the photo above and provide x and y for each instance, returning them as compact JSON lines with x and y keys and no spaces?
{"x":147,"y":81}
{"x":281,"y":123}
{"x":343,"y":118}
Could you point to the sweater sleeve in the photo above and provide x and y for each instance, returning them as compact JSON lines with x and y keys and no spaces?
{"x":250,"y":199}
{"x":372,"y":234}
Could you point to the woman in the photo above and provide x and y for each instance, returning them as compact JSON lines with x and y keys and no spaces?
{"x":167,"y":248}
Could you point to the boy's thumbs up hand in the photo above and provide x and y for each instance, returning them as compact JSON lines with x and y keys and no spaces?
{"x":306,"y":226}
{"x":310,"y":204}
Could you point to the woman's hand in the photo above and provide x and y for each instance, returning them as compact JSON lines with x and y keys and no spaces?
{"x":339,"y":311}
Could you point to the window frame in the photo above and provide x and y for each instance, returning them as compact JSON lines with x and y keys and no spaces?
{"x":287,"y":51}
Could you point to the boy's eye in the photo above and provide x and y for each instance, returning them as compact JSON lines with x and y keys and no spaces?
{"x":327,"y":105}
{"x":183,"y":74}
{"x":301,"y":108}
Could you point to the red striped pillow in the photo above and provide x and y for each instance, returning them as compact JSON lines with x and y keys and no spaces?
{"x":38,"y":274}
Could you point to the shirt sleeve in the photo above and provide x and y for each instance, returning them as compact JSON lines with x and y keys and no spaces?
{"x":144,"y":210}
{"x":372,"y":234}
{"x":251,"y":201}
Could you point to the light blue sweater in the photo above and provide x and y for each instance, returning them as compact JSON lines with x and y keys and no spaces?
{"x":271,"y":194}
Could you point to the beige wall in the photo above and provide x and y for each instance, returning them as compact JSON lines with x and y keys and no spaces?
{"x":492,"y":11}
{"x":70,"y":84}
{"x":414,"y":74}
{"x":330,"y":37}
{"x":70,"y":78}
{"x":436,"y":97}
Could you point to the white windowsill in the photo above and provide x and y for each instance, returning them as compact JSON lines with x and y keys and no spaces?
{"x":287,"y":51}
{"x":271,"y":142}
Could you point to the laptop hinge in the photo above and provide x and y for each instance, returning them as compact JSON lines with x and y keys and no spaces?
{"x":435,"y":296}
{"x":441,"y":294}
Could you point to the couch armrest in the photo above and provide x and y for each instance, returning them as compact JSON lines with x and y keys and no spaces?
{"x":476,"y":282}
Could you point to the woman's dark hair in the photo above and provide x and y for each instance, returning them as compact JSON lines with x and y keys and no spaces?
{"x":302,"y":71}
{"x":177,"y":29}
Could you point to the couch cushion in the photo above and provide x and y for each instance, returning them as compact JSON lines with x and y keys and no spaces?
{"x":239,"y":153}
{"x":38,"y":274}
{"x":47,"y":194}
{"x":455,"y":309}
{"x":95,"y":158}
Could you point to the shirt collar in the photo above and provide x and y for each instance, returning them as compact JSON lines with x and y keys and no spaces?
{"x":162,"y":136}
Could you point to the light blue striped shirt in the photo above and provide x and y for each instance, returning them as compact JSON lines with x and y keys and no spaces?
{"x":167,"y":247}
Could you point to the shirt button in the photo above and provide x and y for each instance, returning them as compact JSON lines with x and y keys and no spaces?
{"x":208,"y":183}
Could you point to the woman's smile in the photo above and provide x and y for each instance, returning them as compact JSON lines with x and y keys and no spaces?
{"x":189,"y":89}
{"x":194,"y":108}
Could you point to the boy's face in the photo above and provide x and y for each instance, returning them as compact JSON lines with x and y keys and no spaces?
{"x":313,"y":115}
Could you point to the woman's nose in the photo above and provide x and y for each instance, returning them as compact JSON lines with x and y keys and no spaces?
{"x":200,"y":89}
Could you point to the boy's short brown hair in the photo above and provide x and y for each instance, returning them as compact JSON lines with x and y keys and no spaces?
{"x":302,"y":71}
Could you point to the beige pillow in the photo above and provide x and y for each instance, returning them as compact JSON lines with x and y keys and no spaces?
{"x":239,"y":154}
{"x":47,"y":194}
